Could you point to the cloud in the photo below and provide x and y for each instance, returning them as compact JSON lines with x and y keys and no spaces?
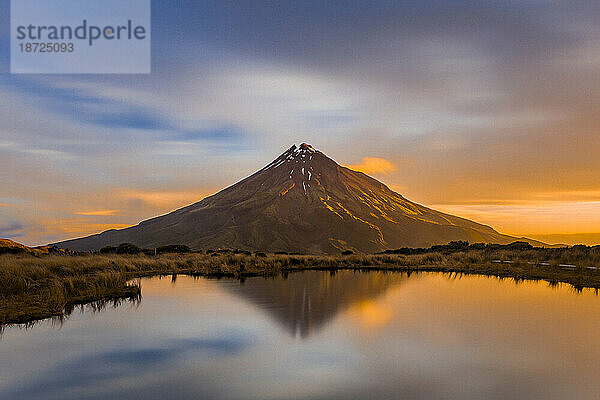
{"x":75,"y":227}
{"x":101,"y":213}
{"x":167,"y":200}
{"x":101,"y":373}
{"x":11,"y":229}
{"x":374,"y":165}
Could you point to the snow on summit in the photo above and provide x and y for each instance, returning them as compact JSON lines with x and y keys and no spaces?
{"x":299,"y":158}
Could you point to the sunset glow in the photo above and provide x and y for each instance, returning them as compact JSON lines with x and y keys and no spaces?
{"x":486,"y":110}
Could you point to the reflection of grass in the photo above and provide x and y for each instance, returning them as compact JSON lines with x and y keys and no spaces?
{"x":34,"y":287}
{"x":88,"y":306}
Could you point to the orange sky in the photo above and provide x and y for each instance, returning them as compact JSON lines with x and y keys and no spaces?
{"x":560,"y":217}
{"x":552,"y":217}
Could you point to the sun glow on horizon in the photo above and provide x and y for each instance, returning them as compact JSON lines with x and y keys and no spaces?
{"x":568,"y":222}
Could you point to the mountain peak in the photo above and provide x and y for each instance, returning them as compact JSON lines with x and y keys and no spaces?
{"x":302,"y":201}
{"x":294,"y":154}
{"x":307,"y":147}
{"x":301,"y":151}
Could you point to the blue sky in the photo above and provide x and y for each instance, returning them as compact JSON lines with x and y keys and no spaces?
{"x":487,"y":109}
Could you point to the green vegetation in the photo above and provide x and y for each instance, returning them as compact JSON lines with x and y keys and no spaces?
{"x":34,"y":286}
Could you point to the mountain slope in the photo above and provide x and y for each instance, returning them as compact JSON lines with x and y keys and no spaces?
{"x":303,"y":201}
{"x":8,"y":246}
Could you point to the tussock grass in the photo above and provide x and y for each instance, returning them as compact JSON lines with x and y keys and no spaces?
{"x":33,"y":287}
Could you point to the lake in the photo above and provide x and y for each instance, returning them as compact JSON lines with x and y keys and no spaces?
{"x":316,"y":335}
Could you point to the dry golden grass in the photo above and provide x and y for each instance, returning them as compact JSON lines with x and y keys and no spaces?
{"x":34,"y":287}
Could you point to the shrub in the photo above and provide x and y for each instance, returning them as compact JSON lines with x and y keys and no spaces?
{"x":173,"y":248}
{"x":519,"y":246}
{"x":128,"y":248}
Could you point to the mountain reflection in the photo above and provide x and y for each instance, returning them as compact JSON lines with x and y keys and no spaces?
{"x":304,"y":302}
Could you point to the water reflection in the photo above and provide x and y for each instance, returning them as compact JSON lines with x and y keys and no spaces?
{"x":317,"y":336}
{"x":92,"y":307}
{"x":304,"y":302}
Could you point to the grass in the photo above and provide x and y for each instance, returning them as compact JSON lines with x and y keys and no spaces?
{"x":34,"y":287}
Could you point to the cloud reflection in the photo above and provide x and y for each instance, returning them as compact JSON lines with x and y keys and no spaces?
{"x":99,"y":368}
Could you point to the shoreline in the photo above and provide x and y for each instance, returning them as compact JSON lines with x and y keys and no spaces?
{"x":33,"y":287}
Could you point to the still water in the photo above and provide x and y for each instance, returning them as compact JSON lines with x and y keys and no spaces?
{"x":314,"y":335}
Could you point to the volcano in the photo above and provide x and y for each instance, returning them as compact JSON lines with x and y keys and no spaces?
{"x":305,"y":202}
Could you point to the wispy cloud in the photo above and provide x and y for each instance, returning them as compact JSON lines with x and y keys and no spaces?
{"x":164,"y":199}
{"x":11,"y":229}
{"x":100,"y":213}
